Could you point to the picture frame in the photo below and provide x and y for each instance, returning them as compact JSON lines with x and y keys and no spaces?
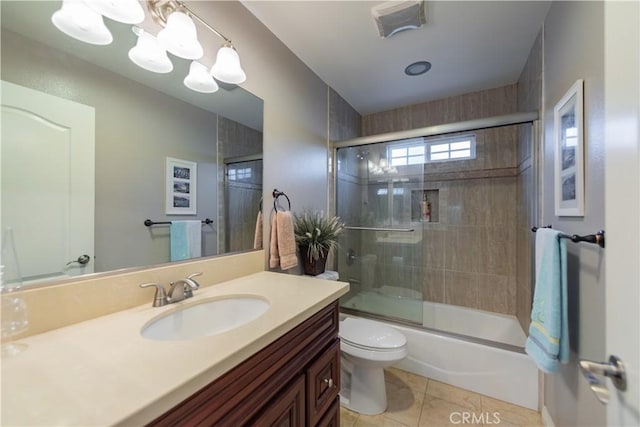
{"x":181,"y":187}
{"x":568,"y":129}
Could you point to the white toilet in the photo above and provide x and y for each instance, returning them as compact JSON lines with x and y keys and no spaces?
{"x":367,"y":348}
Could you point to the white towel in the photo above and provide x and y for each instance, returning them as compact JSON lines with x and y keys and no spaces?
{"x":328,"y":275}
{"x":186,"y":240}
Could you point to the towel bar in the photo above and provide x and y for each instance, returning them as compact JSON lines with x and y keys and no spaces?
{"x":597,"y":238}
{"x":149,"y":223}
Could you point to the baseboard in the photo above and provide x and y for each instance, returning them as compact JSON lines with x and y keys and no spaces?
{"x":547,"y":421}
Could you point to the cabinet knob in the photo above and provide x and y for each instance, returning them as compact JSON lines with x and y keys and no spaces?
{"x":329,"y":382}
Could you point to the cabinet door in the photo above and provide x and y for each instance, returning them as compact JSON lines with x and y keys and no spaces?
{"x":323,"y":383}
{"x":332,"y":417}
{"x":287,"y":410}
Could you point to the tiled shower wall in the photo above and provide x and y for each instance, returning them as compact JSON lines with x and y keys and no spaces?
{"x":468,"y":257}
{"x":529,"y":99}
{"x":344,"y":123}
{"x":235,"y":139}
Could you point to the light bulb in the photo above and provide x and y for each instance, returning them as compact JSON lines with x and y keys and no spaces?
{"x":77,"y":20}
{"x":199,"y":79}
{"x":227,"y":68}
{"x":180,"y":38}
{"x":148,"y":54}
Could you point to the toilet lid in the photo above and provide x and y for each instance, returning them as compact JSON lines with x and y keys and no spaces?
{"x":370,"y":334}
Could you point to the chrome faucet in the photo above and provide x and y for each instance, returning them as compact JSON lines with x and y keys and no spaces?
{"x":188,"y":286}
{"x":185,"y":288}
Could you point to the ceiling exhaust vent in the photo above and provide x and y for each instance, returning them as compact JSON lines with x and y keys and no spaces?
{"x":394,"y":16}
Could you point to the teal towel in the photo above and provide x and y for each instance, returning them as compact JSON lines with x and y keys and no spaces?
{"x":186,"y":239}
{"x":548,"y":341}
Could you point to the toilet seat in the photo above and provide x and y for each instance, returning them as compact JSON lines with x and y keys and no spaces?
{"x":371,"y":341}
{"x":369,"y":335}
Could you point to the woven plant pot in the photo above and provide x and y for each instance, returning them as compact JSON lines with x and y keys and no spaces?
{"x":312,"y":267}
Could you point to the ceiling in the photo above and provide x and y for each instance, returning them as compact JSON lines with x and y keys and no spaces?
{"x":472,"y":45}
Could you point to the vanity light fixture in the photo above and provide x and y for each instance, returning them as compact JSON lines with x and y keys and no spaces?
{"x":83,"y":20}
{"x":148,"y":54}
{"x":227,"y":68}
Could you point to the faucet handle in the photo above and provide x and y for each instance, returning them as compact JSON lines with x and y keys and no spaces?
{"x":191,"y":276}
{"x":160,"y":296}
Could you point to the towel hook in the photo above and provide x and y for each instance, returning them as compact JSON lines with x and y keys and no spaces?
{"x":276,"y":193}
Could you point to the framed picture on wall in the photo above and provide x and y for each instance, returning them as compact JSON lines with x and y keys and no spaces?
{"x":180,"y":189}
{"x":569,"y":153}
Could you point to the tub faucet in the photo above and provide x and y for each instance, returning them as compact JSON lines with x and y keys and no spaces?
{"x":188,"y":285}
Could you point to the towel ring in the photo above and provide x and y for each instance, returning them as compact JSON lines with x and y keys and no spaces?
{"x":277,"y":194}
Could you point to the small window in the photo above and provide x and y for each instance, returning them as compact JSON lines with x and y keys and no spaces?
{"x":452,"y":148}
{"x":239,"y":174}
{"x":420,"y":150}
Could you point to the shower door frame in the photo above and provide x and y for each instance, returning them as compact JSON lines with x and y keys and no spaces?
{"x":537,"y":148}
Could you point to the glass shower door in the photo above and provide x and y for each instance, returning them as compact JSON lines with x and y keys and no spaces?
{"x":243,"y":196}
{"x":378,"y":196}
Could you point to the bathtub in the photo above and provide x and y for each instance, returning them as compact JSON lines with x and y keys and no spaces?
{"x":505,"y":374}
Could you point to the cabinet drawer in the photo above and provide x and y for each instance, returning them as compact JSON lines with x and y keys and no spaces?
{"x":323,"y":383}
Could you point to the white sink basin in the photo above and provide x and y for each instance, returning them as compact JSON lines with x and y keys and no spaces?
{"x":205,"y":318}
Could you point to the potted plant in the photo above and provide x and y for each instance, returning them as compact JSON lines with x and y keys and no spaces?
{"x":316,"y":234}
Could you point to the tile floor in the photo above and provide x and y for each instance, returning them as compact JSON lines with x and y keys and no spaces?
{"x":415,"y":401}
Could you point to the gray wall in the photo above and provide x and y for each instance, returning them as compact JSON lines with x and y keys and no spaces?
{"x":136,"y":128}
{"x":295,"y":107}
{"x":574,"y":49}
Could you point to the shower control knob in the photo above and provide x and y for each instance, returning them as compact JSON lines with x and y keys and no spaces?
{"x":351,"y":256}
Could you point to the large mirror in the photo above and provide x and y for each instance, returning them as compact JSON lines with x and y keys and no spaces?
{"x":62,"y":199}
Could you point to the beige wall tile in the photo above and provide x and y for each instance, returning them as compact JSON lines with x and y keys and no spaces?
{"x":433,"y":285}
{"x":433,"y":247}
{"x":496,"y":293}
{"x":491,"y":102}
{"x":461,"y":289}
{"x":500,"y":148}
{"x":485,"y":250}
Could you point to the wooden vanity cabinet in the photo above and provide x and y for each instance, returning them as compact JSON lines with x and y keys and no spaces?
{"x":293,"y":382}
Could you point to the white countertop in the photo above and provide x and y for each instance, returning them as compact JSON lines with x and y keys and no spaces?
{"x":103,"y":372}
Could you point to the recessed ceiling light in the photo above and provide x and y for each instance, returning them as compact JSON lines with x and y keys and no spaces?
{"x":417,"y":68}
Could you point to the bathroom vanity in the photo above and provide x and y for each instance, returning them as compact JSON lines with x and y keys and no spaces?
{"x":283,"y":367}
{"x":294,"y":381}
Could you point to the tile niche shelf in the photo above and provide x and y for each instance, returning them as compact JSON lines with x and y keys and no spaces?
{"x":433,"y":199}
